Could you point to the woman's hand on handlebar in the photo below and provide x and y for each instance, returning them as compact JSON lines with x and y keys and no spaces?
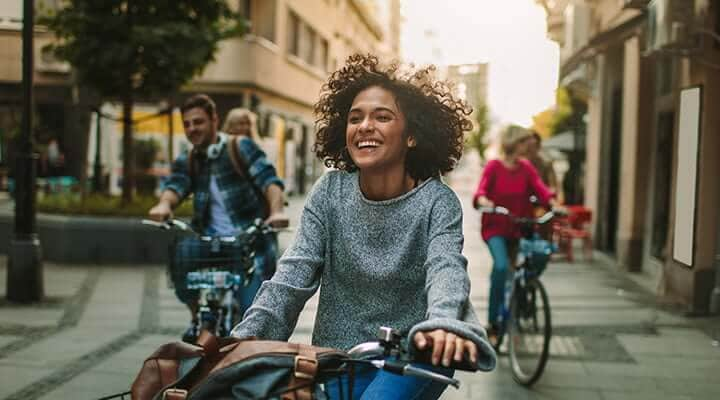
{"x":446,"y":346}
{"x":483,"y":201}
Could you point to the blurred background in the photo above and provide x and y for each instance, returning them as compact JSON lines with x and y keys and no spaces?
{"x":623,"y":92}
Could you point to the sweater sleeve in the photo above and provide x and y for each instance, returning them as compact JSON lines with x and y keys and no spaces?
{"x":486,"y":179}
{"x":277,"y":306}
{"x":447,"y":283}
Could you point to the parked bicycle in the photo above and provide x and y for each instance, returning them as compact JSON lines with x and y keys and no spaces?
{"x":220,"y":269}
{"x":525,"y":315}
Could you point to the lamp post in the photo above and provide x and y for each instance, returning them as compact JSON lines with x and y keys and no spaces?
{"x":24,"y":272}
{"x":97,"y":164}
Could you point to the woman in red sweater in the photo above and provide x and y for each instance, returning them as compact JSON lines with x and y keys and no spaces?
{"x":508,"y":182}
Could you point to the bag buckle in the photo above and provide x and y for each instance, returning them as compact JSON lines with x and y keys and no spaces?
{"x":174,"y":393}
{"x":304,"y":375}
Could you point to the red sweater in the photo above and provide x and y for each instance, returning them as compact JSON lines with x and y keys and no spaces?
{"x":510,"y":188}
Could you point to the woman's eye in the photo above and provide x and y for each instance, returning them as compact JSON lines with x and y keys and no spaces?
{"x":383,"y":118}
{"x":354,"y":120}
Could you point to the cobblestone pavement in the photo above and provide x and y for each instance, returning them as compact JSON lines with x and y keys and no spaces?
{"x":612,"y":339}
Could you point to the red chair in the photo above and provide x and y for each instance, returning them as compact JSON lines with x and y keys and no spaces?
{"x":571,"y":227}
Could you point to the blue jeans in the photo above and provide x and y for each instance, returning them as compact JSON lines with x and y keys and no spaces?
{"x":501,"y":250}
{"x":371,"y":383}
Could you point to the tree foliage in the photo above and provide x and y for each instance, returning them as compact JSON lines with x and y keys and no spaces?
{"x":476,"y":138}
{"x":565,"y":115}
{"x":130,"y":49}
{"x":146,"y":47}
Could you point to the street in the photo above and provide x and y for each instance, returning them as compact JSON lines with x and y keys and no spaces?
{"x":612,"y":339}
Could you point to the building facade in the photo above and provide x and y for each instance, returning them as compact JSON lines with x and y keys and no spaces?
{"x":650,"y":73}
{"x":277,"y":70}
{"x":58,"y":104}
{"x":471,"y":83}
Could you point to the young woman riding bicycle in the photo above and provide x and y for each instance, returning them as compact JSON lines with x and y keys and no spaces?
{"x":509,"y":182}
{"x":381,"y":236}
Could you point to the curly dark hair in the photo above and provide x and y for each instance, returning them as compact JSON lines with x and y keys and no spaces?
{"x":433,"y":116}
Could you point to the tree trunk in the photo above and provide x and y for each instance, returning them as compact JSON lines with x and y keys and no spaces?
{"x":128,"y":185}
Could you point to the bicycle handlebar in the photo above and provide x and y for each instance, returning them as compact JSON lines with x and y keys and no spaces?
{"x":257,"y":225}
{"x":389,"y":344}
{"x":499,"y":210}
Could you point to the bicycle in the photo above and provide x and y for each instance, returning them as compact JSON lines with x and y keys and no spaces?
{"x":525,"y":315}
{"x":388,"y":352}
{"x":218,"y":276}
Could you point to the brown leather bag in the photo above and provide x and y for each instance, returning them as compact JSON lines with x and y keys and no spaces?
{"x":232,"y":368}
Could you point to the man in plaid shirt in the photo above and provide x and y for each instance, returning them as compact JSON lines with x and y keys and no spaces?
{"x":224,"y":202}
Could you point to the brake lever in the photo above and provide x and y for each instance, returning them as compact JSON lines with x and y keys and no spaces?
{"x":404,"y":368}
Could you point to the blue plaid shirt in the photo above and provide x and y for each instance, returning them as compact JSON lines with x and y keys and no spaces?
{"x":240,"y":199}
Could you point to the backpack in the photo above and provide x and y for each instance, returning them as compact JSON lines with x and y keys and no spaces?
{"x":233,"y":368}
{"x":241,"y":168}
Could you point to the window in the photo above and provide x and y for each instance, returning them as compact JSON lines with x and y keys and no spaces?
{"x":244,"y":8}
{"x":306,"y":47}
{"x":293,"y":39}
{"x":263,"y":18}
{"x":322,"y":55}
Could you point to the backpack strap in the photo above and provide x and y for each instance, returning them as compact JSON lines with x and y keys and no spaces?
{"x":241,"y":168}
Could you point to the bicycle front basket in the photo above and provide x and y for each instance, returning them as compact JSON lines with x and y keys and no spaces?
{"x":191,"y":254}
{"x":538,"y":252}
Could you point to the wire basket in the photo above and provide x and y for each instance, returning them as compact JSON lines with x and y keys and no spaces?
{"x":190,"y":254}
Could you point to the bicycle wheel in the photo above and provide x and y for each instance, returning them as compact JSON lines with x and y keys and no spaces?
{"x":529,"y":331}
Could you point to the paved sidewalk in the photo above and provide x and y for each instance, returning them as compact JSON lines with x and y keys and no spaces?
{"x":612,"y":340}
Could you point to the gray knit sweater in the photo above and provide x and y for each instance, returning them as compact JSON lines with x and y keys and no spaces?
{"x":395,"y":263}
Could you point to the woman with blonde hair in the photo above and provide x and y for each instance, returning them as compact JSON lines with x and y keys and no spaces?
{"x":241,"y":121}
{"x":508,"y":182}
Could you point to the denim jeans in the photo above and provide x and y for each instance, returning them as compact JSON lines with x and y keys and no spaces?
{"x":501,"y":250}
{"x":370,"y":383}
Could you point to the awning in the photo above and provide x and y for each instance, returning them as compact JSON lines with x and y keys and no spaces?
{"x":600,"y":41}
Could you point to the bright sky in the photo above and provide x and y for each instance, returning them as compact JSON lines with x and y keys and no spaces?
{"x":508,"y":34}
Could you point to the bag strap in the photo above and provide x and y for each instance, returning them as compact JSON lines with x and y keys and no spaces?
{"x":304,"y":373}
{"x":241,"y":167}
{"x":211,"y":345}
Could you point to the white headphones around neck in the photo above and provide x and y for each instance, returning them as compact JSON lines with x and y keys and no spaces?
{"x":214,"y":149}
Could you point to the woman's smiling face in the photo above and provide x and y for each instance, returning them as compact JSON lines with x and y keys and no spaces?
{"x":375,"y":133}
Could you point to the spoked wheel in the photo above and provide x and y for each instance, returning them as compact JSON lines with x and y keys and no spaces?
{"x":529,"y":331}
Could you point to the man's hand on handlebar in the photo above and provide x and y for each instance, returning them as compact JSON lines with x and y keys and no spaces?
{"x":446,"y":346}
{"x":278,"y":220}
{"x":160,"y":212}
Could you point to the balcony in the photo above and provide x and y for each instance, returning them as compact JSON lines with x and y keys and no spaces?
{"x":255,"y":62}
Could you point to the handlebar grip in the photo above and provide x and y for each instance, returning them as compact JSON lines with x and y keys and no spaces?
{"x":155,"y":223}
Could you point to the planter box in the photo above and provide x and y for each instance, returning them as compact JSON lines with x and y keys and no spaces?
{"x":94,"y":240}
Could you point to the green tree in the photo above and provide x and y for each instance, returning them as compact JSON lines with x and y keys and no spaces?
{"x":133,"y":49}
{"x":476,"y":138}
{"x":569,"y":111}
{"x":566,"y":115}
